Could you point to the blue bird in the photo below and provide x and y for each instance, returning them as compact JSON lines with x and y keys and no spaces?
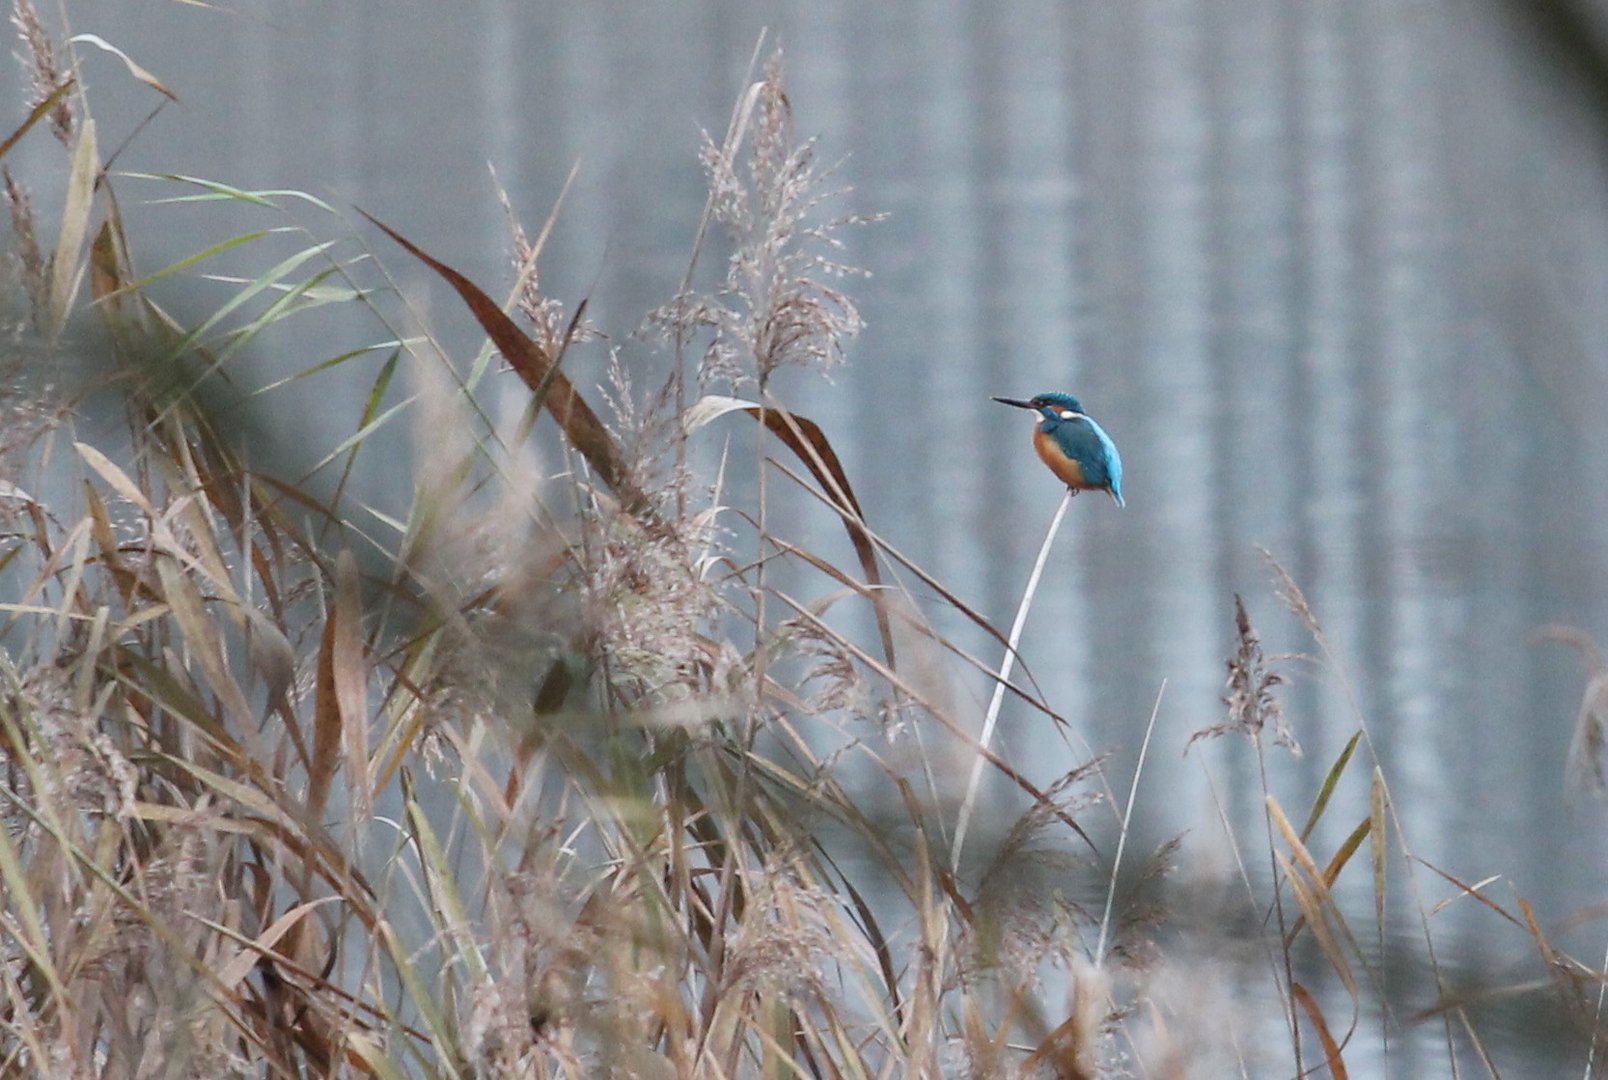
{"x":1077,"y":450}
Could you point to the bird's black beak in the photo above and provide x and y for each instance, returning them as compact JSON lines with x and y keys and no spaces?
{"x":1013,"y":401}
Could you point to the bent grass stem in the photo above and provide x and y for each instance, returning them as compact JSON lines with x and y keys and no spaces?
{"x":1009,"y":662}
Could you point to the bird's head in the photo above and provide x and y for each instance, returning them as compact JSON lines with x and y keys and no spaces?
{"x":1050,"y":406}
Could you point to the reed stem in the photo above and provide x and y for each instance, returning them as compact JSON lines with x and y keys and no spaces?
{"x":964,"y":818}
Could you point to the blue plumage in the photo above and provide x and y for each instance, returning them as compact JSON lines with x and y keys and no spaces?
{"x":1076,"y":449}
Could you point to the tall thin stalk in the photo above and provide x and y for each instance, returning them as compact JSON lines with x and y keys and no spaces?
{"x":1127,"y":823}
{"x":1005,"y":667}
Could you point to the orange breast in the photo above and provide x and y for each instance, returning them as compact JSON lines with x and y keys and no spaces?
{"x":1069,"y":471}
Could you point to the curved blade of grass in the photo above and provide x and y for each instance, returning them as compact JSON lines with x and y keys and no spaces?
{"x":250,"y":944}
{"x":1298,"y":850}
{"x":396,"y":345}
{"x":116,"y":477}
{"x":963,"y":817}
{"x":581,"y":427}
{"x":1327,"y":789}
{"x":261,"y":283}
{"x":154,"y":681}
{"x":870,"y":928}
{"x":231,"y":974}
{"x":216,"y":191}
{"x":133,"y":69}
{"x":201,"y":256}
{"x":356,"y":438}
{"x":1331,"y":1049}
{"x":382,"y":383}
{"x":311,"y":296}
{"x":293,"y":300}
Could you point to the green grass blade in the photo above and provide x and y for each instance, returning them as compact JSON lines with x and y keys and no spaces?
{"x":334,"y":362}
{"x":1327,"y":789}
{"x":214,"y":191}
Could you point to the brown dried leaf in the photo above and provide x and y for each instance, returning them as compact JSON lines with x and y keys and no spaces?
{"x":326,"y":727}
{"x":1331,"y":1049}
{"x":105,"y":276}
{"x":536,"y":367}
{"x":351,"y":678}
{"x":810,"y":445}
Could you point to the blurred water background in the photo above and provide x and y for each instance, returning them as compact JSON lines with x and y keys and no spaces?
{"x":1334,"y":276}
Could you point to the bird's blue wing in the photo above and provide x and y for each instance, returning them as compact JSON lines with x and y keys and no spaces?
{"x":1113,"y":461}
{"x":1087,"y":442}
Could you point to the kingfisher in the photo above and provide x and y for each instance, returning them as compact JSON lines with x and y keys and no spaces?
{"x":1077,"y":450}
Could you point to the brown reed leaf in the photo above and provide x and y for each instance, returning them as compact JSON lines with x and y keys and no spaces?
{"x":105,"y":271}
{"x":1331,"y":872}
{"x":351,"y":678}
{"x":1331,"y":1049}
{"x":1313,"y":904}
{"x":538,"y":368}
{"x":810,"y":445}
{"x":326,"y":726}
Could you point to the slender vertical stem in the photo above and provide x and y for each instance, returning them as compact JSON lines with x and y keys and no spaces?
{"x":1127,"y":822}
{"x":762,"y":525}
{"x":1292,"y":1016}
{"x":1005,"y":667}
